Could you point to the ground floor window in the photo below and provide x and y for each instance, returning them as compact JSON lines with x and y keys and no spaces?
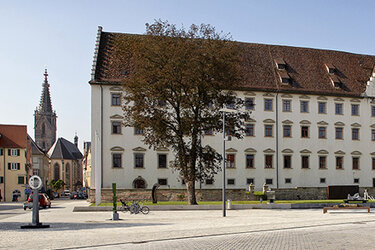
{"x":163,"y":181}
{"x":231,"y":182}
{"x":21,"y":179}
{"x":250,"y":181}
{"x":269,"y":181}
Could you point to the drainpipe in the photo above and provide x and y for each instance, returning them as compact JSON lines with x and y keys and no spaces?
{"x":277,"y":140}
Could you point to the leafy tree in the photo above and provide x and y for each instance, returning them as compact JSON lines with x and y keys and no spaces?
{"x":56,"y":184}
{"x":178,"y":81}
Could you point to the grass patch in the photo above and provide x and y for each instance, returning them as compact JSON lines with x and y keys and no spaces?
{"x":149,"y":203}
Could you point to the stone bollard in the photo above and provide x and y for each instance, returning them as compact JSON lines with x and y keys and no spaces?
{"x":251,"y":188}
{"x":265,"y":187}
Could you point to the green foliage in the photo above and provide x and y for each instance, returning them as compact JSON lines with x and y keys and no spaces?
{"x":56,"y":184}
{"x":174,"y":93}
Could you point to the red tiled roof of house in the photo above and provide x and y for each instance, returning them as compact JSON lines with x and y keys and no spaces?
{"x":305,"y":66}
{"x":13,"y":136}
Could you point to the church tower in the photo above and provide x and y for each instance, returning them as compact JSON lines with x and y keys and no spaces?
{"x":45,"y":119}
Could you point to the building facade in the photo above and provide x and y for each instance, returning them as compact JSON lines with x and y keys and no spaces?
{"x":45,"y":119}
{"x":86,"y":164}
{"x":13,"y":147}
{"x":312,"y":123}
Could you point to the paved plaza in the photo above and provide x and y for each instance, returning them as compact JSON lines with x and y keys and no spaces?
{"x":241,"y":229}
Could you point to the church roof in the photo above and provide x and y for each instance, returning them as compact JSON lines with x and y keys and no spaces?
{"x":13,"y":136}
{"x":45,"y":105}
{"x":310,"y":71}
{"x":64,"y":149}
{"x":35,"y":150}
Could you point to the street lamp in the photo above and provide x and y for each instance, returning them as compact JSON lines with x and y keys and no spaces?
{"x":225,"y":110}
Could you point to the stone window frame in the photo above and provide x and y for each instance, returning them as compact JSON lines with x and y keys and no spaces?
{"x":253,"y":165}
{"x":372,"y":110}
{"x":135,"y":160}
{"x":158,"y":160}
{"x":248,"y":181}
{"x":160,"y":180}
{"x":355,"y":109}
{"x":290,"y":131}
{"x":358,"y":163}
{"x":231,"y":180}
{"x":303,"y":108}
{"x":372,"y":134}
{"x":265,"y":161}
{"x":266,"y":103}
{"x":252,"y":106}
{"x":341,"y":105}
{"x":325,"y":162}
{"x":342,"y":133}
{"x":113,"y":154}
{"x":19,"y":178}
{"x":356,"y":180}
{"x":303,"y":156}
{"x":308,"y":131}
{"x":252,"y":129}
{"x":325,"y":132}
{"x":322,"y":180}
{"x":228,"y":163}
{"x":288,"y":180}
{"x":373,"y":163}
{"x":269,"y":181}
{"x":289,"y":105}
{"x":114,"y":100}
{"x":290,"y":166}
{"x":119,"y":128}
{"x":268,"y":127}
{"x":355,"y":136}
{"x":325,"y":108}
{"x":337,"y":157}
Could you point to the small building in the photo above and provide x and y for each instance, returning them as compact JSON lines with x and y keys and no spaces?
{"x":86,"y":164}
{"x":38,"y":161}
{"x":66,"y":163}
{"x":13,"y":161}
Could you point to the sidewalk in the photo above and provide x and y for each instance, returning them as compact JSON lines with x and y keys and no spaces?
{"x":94,"y":229}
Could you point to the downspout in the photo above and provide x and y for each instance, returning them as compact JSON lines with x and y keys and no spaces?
{"x":277,"y":140}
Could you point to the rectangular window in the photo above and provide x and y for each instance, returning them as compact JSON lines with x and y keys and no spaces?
{"x":287,"y":161}
{"x":1,"y":179}
{"x":268,"y":105}
{"x":322,"y":162}
{"x":249,"y":130}
{"x":1,"y":151}
{"x":268,"y":161}
{"x":250,"y":161}
{"x":322,"y":132}
{"x":288,"y":180}
{"x":373,"y":110}
{"x":287,"y":131}
{"x":162,"y":161}
{"x":231,"y":181}
{"x":339,"y":109}
{"x":322,"y":107}
{"x":35,"y":171}
{"x":21,"y":180}
{"x":163,"y":182}
{"x":339,"y":133}
{"x":249,"y":103}
{"x":355,"y":109}
{"x":116,"y":99}
{"x":372,"y":134}
{"x":287,"y":106}
{"x":13,"y":152}
{"x":250,"y":181}
{"x":116,"y":127}
{"x":373,"y":163}
{"x":339,"y":162}
{"x":322,"y":180}
{"x":268,"y":130}
{"x":14,"y":166}
{"x":305,"y":161}
{"x":355,"y":163}
{"x":356,"y":180}
{"x":138,"y":160}
{"x":305,"y":132}
{"x":209,"y":181}
{"x":138,"y":131}
{"x":304,"y":106}
{"x":269,"y":181}
{"x":355,"y":133}
{"x":116,"y":160}
{"x":231,"y":160}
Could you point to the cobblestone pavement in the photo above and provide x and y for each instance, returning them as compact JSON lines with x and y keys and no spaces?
{"x":351,"y":236}
{"x":241,"y":229}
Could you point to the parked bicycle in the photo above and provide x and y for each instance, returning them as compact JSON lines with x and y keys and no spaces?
{"x":134,"y":208}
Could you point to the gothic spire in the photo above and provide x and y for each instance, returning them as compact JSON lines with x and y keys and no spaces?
{"x":45,"y":105}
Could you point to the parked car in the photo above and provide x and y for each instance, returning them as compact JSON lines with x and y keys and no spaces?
{"x":44,"y":201}
{"x":65,"y":193}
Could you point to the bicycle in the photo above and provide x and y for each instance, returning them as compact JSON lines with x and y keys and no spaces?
{"x":134,"y":208}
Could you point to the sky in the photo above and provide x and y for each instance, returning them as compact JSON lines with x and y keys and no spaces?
{"x":60,"y":36}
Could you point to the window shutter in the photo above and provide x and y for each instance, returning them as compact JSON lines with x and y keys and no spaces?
{"x":9,"y":165}
{"x":18,"y":152}
{"x":18,"y":166}
{"x":8,"y":151}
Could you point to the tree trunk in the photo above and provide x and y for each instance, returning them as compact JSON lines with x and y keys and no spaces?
{"x":190,"y":185}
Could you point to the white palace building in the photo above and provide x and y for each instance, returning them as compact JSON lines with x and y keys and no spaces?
{"x":313,"y":123}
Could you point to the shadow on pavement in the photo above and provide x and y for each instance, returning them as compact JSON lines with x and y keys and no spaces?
{"x":16,"y":226}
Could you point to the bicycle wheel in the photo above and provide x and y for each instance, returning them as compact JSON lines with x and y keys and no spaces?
{"x":133,"y":209}
{"x":145,"y":210}
{"x":124,"y":208}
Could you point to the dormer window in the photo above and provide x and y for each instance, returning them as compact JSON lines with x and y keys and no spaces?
{"x":280,"y":64}
{"x":330,"y":68}
{"x":284,"y":77}
{"x":336,"y":81}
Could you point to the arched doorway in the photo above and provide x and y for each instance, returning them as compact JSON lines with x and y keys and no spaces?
{"x":56,"y":172}
{"x":139,"y":183}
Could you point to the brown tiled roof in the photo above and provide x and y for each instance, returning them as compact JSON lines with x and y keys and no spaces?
{"x":305,"y":66}
{"x":13,"y":136}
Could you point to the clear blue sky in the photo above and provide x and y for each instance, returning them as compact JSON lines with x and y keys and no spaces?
{"x":61,"y":35}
